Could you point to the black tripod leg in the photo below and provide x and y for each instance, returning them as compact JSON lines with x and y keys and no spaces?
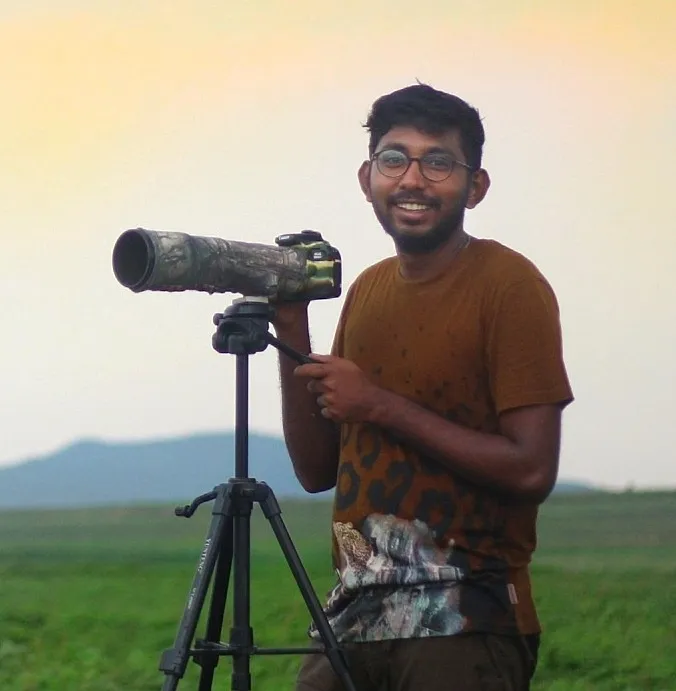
{"x":241,"y":634}
{"x":273,"y":513}
{"x":175,"y":660}
{"x":219,"y":594}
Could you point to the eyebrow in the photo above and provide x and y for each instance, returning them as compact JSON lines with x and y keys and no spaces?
{"x":433,"y":150}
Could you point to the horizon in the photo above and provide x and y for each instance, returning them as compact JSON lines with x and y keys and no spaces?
{"x":156,"y":116}
{"x":140,"y":441}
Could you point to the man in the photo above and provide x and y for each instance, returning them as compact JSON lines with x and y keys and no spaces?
{"x":436,"y":418}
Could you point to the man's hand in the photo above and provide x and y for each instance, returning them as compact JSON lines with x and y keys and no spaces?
{"x":345,"y":394}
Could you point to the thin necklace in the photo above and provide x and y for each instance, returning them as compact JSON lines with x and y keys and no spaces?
{"x":466,"y":240}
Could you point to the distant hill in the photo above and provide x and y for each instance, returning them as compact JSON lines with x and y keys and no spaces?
{"x":94,"y":473}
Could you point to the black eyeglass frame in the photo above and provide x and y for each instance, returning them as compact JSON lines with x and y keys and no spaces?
{"x":419,"y":160}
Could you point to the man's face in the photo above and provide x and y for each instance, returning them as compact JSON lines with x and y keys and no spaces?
{"x":419,"y":214}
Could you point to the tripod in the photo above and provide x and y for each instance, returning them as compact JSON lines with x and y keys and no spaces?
{"x":241,"y":330}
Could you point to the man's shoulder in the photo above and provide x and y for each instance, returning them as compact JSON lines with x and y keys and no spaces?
{"x":504,"y":266}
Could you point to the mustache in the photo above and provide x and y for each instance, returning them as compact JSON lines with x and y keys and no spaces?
{"x":413,"y":199}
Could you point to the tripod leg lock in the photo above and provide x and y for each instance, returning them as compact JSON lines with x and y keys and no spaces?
{"x":173,"y":663}
{"x":241,"y":638}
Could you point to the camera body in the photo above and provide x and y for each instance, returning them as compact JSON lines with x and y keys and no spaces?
{"x":323,"y":264}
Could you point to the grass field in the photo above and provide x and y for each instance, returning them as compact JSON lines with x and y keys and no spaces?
{"x":89,"y":599}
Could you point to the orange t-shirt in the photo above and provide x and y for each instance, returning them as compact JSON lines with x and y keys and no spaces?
{"x":420,"y":551}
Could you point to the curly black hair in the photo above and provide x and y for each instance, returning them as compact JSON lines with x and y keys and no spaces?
{"x":431,"y":111}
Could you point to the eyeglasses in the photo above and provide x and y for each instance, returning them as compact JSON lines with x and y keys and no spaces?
{"x":436,"y":167}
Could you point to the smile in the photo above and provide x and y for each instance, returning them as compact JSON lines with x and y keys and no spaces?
{"x":413,"y":206}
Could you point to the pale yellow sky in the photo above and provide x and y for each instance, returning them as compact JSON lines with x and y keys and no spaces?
{"x":158,"y":114}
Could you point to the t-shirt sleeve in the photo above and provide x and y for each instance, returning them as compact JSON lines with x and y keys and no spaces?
{"x":525,"y":350}
{"x":338,"y":346}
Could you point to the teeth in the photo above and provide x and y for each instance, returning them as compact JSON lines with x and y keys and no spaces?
{"x":411,"y":206}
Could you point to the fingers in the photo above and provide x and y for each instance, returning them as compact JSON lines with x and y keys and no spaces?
{"x":325,"y":407}
{"x":317,"y":369}
{"x":318,"y":386}
{"x":322,"y":358}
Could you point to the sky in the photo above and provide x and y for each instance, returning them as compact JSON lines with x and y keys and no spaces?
{"x":160,"y":115}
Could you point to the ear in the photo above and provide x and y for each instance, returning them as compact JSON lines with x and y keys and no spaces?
{"x":364,"y":176}
{"x":478,"y":188}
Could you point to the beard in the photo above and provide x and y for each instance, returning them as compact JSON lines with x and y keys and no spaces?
{"x":431,"y":240}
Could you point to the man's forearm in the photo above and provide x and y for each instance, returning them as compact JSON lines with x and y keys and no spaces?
{"x":491,"y":460}
{"x":312,"y":441}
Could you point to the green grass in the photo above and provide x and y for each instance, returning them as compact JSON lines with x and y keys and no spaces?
{"x":89,"y":599}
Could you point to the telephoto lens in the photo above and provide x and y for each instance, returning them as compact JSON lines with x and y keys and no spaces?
{"x":299,"y":267}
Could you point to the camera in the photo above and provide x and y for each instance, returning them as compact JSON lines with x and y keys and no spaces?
{"x":299,"y":267}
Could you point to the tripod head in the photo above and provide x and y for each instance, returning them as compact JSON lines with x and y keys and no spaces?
{"x":243,"y":329}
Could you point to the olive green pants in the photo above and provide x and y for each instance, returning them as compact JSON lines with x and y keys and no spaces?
{"x":469,"y":662}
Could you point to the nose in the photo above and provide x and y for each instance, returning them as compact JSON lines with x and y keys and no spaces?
{"x":413,"y":177}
